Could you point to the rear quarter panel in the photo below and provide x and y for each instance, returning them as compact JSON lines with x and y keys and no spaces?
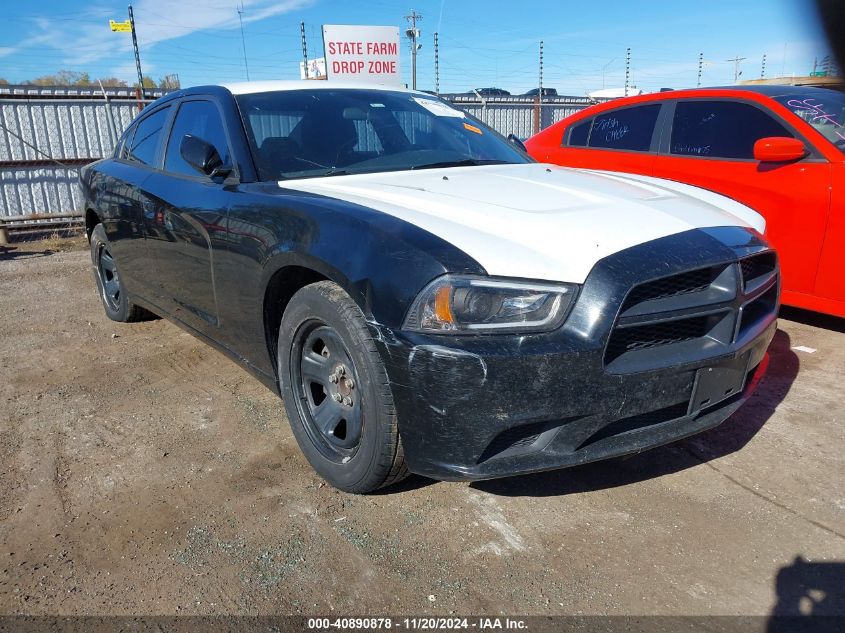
{"x":113,"y":190}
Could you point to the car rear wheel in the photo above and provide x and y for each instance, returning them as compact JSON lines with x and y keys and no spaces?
{"x":112,"y":292}
{"x":336,"y":391}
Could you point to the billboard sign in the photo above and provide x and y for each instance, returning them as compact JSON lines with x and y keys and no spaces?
{"x":367,"y":54}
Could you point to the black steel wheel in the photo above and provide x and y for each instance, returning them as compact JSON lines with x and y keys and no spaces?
{"x":109,"y":277}
{"x":327,"y":400}
{"x":336,"y":391}
{"x":112,"y":292}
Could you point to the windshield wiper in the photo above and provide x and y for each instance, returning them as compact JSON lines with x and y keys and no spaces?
{"x":464,"y":162}
{"x":334,"y":172}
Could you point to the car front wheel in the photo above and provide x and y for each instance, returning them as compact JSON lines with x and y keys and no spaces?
{"x":336,"y":391}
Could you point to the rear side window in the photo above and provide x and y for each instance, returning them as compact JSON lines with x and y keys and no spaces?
{"x":579,"y":134}
{"x":122,"y":148}
{"x":627,"y":129}
{"x":720,"y":129}
{"x":202,"y":120}
{"x":144,"y":144}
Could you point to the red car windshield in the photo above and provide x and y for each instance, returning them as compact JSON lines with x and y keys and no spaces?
{"x":824,"y":110}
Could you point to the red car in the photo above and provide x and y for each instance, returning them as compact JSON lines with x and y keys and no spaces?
{"x":777,"y":149}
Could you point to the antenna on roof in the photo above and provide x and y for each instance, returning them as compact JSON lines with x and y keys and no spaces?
{"x":243,"y":40}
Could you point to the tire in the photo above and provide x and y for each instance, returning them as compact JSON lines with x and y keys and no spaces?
{"x":110,"y":288}
{"x":326,"y":353}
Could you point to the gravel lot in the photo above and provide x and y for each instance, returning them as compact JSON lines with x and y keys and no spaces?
{"x":145,"y":473}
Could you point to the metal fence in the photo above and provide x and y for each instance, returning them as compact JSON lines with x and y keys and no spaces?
{"x":46,"y":134}
{"x":518,"y":115}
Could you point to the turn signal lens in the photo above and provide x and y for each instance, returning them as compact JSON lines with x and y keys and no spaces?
{"x":442,"y":305}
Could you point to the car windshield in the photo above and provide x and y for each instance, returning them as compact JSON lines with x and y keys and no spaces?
{"x":325,"y":132}
{"x":824,"y":110}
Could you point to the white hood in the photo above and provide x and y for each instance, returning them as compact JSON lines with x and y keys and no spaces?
{"x":536,"y":221}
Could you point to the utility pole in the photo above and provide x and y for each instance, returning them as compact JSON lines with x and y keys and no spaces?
{"x":783,"y":64}
{"x":413,"y":34}
{"x":737,"y":71}
{"x":763,"y":67}
{"x":243,"y":40}
{"x":436,"y":65}
{"x":540,"y":94}
{"x":700,"y":67}
{"x":137,"y":54}
{"x":627,"y":69}
{"x":304,"y":48}
{"x":604,"y":69}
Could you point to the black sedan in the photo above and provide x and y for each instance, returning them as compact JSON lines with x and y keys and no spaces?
{"x":422,"y":295}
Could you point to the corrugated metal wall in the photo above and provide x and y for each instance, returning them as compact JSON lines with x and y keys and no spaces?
{"x":55,"y":128}
{"x":46,"y":134}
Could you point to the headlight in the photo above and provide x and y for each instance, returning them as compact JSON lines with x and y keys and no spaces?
{"x":459,"y":305}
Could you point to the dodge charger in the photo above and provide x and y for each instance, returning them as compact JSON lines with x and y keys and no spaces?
{"x":421,"y":294}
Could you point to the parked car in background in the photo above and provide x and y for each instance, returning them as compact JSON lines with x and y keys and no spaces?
{"x":422,"y":295}
{"x":491,"y":92}
{"x":778,"y":149}
{"x":547,"y":92}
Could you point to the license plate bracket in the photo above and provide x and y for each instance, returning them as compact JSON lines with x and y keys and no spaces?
{"x":714,"y":384}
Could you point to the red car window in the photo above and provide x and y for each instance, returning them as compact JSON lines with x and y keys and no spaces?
{"x":720,"y":129}
{"x":627,"y":129}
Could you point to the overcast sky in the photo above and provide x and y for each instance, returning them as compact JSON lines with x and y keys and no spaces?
{"x":482,"y":43}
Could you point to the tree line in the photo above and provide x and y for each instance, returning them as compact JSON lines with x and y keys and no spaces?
{"x":80,"y":79}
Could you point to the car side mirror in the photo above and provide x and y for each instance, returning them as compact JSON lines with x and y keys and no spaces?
{"x":513,"y":139}
{"x":779,"y":149}
{"x":203,"y":156}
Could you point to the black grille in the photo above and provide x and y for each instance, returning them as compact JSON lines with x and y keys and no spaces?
{"x":635,"y":422}
{"x":642,"y":337}
{"x":757,"y":266}
{"x":685,"y":283}
{"x":759,"y":310}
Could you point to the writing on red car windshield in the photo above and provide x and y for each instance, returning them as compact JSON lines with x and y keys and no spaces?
{"x":814,"y":113}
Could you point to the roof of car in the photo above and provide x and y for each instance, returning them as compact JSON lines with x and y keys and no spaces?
{"x":764,"y":90}
{"x":761,"y":91}
{"x":250,"y":87}
{"x":768,"y":90}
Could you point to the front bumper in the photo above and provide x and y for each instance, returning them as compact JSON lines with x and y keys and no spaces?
{"x":479,"y":407}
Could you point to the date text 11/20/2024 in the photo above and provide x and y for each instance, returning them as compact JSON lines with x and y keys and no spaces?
{"x":417,"y":624}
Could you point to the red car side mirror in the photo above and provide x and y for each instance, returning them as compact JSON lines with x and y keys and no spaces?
{"x":778,"y":149}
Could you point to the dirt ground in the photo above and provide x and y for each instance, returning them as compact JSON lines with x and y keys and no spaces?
{"x":145,"y":473}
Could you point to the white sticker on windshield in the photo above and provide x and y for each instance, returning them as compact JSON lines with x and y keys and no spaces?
{"x":439,"y":108}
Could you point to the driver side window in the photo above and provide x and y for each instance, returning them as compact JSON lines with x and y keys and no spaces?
{"x":202,"y":120}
